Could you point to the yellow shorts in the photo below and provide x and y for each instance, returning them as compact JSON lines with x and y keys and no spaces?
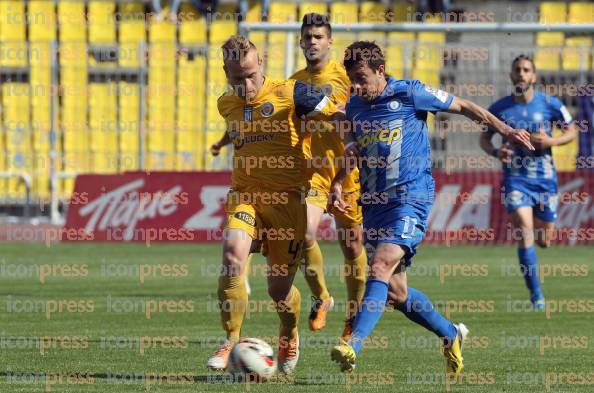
{"x":280,"y":222}
{"x":352,"y":218}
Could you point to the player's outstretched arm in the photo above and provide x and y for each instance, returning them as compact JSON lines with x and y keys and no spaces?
{"x":215,"y":148}
{"x":484,"y":117}
{"x":543,"y":141}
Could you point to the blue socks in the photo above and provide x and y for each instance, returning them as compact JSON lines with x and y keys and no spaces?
{"x":529,"y":267}
{"x":370,"y":311}
{"x":419,"y":309}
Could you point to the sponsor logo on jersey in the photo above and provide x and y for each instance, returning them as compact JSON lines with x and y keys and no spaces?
{"x":385,"y":135}
{"x":267,"y":109}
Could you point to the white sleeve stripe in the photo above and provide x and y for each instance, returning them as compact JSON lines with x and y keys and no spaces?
{"x":321,"y":105}
{"x":566,"y":115}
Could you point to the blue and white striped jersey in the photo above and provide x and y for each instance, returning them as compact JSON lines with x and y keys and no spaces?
{"x":542,"y":112}
{"x":392,"y":134}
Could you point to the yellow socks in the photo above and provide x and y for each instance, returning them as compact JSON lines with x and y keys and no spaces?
{"x":233,"y":298}
{"x":314,"y":272}
{"x":288,"y":312}
{"x":355,"y":273}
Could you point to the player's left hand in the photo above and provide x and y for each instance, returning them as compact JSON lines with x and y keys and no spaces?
{"x":335,"y":201}
{"x":521,"y":138}
{"x":541,"y":140}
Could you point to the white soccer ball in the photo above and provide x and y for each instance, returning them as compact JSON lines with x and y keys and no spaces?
{"x":252,"y":359}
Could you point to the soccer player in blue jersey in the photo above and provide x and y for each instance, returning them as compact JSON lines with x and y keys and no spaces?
{"x":529,"y":177}
{"x":390,"y":141}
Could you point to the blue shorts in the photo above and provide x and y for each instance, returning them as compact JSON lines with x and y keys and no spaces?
{"x":402,"y":220}
{"x":540,"y":194}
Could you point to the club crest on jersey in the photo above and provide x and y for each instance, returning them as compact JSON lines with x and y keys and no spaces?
{"x":247,"y":112}
{"x":394,"y":105}
{"x":326,"y":89}
{"x":267,"y":109}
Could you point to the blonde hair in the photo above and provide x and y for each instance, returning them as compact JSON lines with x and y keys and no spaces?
{"x":236,"y":48}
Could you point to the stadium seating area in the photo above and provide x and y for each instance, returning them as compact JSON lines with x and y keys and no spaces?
{"x":119,"y":70}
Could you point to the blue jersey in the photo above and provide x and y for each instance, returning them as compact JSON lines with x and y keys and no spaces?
{"x":392,"y":134}
{"x":540,"y":113}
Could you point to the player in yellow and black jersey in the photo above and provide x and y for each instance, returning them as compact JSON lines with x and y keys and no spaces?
{"x":327,"y":155}
{"x":270,"y":172}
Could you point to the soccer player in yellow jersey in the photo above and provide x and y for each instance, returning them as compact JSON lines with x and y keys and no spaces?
{"x":262,"y":119}
{"x":327,"y":155}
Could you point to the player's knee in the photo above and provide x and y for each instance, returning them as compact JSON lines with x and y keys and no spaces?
{"x":398,"y":296}
{"x":381,"y":267}
{"x":353,"y":249}
{"x":278,"y":293}
{"x":232,"y":263}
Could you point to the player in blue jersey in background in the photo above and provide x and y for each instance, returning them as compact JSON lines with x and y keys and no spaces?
{"x":529,"y":176}
{"x":390,"y":141}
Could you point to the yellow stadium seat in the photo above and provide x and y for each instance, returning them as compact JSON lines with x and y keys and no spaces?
{"x":190,"y":107}
{"x":104,"y":161}
{"x":193,"y":32}
{"x":12,"y":20}
{"x":254,"y":13}
{"x":41,"y":94}
{"x":343,"y":13}
{"x":428,"y":57}
{"x":549,"y":48}
{"x":576,"y":54}
{"x":15,"y":108}
{"x":308,"y":7}
{"x":135,"y":10}
{"x":220,"y":31}
{"x":42,"y":21}
{"x":372,"y":12}
{"x":13,"y":49}
{"x":403,"y":12}
{"x":128,"y":104}
{"x":400,"y":53}
{"x":72,"y":21}
{"x":553,"y":12}
{"x":162,"y":32}
{"x":276,"y":49}
{"x":102,"y":29}
{"x":132,"y":33}
{"x":581,"y":12}
{"x":41,"y":174}
{"x":102,"y":116}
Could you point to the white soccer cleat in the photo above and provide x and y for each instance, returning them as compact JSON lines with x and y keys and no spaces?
{"x":288,"y":355}
{"x":219,"y":360}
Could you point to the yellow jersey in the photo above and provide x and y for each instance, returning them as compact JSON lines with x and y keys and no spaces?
{"x":268,"y":143}
{"x":325,"y":145}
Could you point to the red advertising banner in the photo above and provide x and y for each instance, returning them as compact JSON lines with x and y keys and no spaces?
{"x":189,"y":207}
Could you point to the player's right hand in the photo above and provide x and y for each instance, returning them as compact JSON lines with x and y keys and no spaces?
{"x":351,"y":150}
{"x":520,"y":137}
{"x":335,"y":201}
{"x":215,"y":149}
{"x":504,"y":154}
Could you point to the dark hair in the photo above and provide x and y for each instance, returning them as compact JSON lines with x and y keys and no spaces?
{"x":524,"y":57}
{"x":318,"y":20}
{"x":364,"y":52}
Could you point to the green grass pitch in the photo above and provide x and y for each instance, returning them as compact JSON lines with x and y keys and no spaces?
{"x":82,"y":326}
